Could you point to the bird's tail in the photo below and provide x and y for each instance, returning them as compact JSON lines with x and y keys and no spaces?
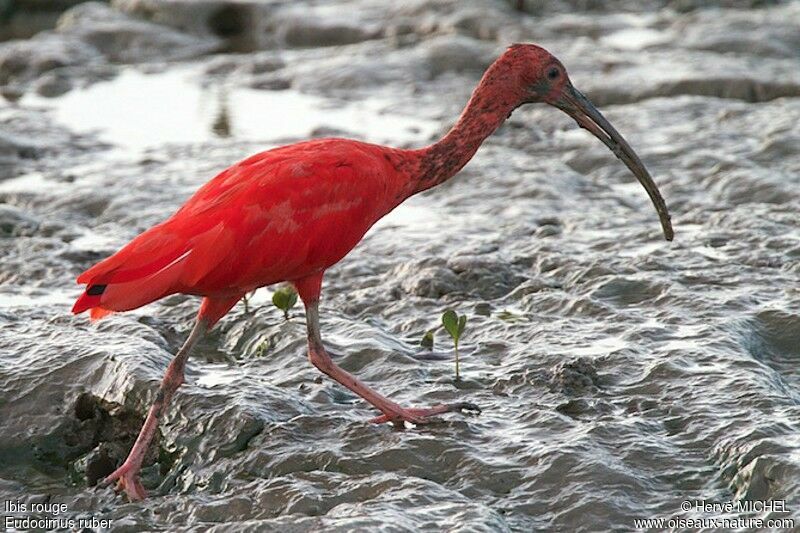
{"x":165,"y":259}
{"x":90,"y":300}
{"x":146,"y":269}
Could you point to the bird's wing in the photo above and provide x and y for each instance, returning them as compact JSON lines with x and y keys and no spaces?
{"x":265,"y":219}
{"x":148,"y":268}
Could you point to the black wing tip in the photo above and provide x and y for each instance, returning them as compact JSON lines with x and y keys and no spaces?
{"x":95,"y":290}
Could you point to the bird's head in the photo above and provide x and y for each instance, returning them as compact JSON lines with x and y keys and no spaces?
{"x":538,"y":76}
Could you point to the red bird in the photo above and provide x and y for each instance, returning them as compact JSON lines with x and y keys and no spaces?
{"x":290,"y":213}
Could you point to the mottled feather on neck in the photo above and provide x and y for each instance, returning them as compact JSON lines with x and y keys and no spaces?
{"x":492,"y":101}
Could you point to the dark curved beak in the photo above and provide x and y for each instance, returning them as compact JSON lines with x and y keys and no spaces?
{"x":576,"y":105}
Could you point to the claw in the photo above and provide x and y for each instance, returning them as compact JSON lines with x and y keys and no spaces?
{"x":419,"y":416}
{"x":127,"y":478}
{"x":468,"y":408}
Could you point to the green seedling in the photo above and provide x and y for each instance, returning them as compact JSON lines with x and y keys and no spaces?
{"x":427,"y":340}
{"x":508,"y":316}
{"x":454,"y":325}
{"x":246,"y":301}
{"x":262,"y":349}
{"x":284,"y":299}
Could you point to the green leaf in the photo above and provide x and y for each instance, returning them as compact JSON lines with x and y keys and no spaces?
{"x":261,"y":349}
{"x":280,"y":300}
{"x":284,"y":299}
{"x":292,"y":298}
{"x":450,"y":323}
{"x":462,"y":323}
{"x":427,"y":340}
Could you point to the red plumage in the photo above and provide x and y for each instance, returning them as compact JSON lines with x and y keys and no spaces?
{"x":290,"y":213}
{"x":279,"y":215}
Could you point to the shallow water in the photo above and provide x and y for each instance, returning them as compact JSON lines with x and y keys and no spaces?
{"x":138,"y":110}
{"x":619,"y":375}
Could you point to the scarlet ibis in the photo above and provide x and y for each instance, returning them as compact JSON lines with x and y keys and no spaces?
{"x":290,"y":213}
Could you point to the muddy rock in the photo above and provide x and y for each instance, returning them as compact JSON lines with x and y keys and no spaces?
{"x":23,"y":61}
{"x":625,"y":291}
{"x":15,"y":222}
{"x":12,"y":146}
{"x":455,"y":53}
{"x":251,"y":69}
{"x":486,"y":277}
{"x":270,"y":82}
{"x":668,"y":74}
{"x":534,"y":7}
{"x":428,"y":281}
{"x":101,"y":434}
{"x":86,"y":36}
{"x":298,"y":30}
{"x":239,"y":25}
{"x":123,"y":39}
{"x":767,"y":34}
{"x":21,"y":20}
{"x":575,"y":377}
{"x":53,"y":84}
{"x":480,"y":277}
{"x":343,"y":75}
{"x":477,"y":23}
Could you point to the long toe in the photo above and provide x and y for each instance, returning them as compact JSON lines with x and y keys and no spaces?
{"x":133,"y":487}
{"x":116,"y":475}
{"x":127,"y":478}
{"x":465,"y":407}
{"x":425,"y":415}
{"x":412,"y":416}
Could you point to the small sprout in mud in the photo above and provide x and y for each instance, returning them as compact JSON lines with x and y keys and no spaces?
{"x":509,"y":316}
{"x":427,"y":340}
{"x":246,"y":301}
{"x":454,"y":324}
{"x":284,"y":299}
{"x":262,"y":349}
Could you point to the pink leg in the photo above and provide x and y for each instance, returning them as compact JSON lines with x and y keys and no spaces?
{"x":319,"y":357}
{"x":127,"y":475}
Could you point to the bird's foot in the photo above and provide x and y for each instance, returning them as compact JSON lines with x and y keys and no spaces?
{"x":127,"y":478}
{"x":420,"y":416}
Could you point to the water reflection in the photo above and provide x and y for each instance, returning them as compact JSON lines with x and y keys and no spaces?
{"x":222,"y":123}
{"x":137,"y":110}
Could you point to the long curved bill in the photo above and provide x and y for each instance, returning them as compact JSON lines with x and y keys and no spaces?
{"x":576,"y":105}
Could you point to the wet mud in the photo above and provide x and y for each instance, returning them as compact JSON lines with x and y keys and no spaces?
{"x":618,"y":374}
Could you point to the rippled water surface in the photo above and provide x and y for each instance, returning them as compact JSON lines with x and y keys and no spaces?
{"x":619,"y":375}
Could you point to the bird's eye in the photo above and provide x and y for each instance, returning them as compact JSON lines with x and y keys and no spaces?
{"x":553,"y":73}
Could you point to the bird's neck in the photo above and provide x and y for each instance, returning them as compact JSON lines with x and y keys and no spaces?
{"x":491,"y":103}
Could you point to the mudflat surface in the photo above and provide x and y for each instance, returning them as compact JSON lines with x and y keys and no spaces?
{"x":619,"y":374}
